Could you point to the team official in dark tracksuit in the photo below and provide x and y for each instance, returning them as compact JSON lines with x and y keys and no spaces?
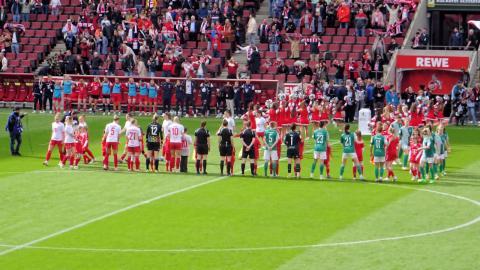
{"x":202,"y":146}
{"x":248,"y":94}
{"x":237,"y":99}
{"x":180,"y":97}
{"x":37,"y":96}
{"x":190,"y":95}
{"x":47,"y":88}
{"x":206,"y":96}
{"x":221,"y":100}
{"x":167,"y":91}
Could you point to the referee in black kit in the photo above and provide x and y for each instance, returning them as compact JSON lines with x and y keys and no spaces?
{"x":202,"y":146}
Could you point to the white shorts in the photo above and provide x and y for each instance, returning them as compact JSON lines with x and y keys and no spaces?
{"x":270,"y":154}
{"x":405,"y":147}
{"x":428,"y":160}
{"x":445,"y":154}
{"x":320,"y":155}
{"x":441,"y":156}
{"x":378,"y":159}
{"x":349,"y":155}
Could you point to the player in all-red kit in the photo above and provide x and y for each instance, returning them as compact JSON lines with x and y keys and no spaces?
{"x":95,"y":88}
{"x":86,"y":152}
{"x":391,"y":153}
{"x":111,"y":138}
{"x":359,"y":145}
{"x":82,"y":95}
{"x":58,"y":129}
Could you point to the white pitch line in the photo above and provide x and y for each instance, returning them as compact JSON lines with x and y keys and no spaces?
{"x":271,"y":248}
{"x":80,"y":225}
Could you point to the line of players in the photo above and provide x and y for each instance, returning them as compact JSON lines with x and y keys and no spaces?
{"x":390,"y":140}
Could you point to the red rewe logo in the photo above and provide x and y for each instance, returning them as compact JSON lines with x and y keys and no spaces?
{"x":438,"y":62}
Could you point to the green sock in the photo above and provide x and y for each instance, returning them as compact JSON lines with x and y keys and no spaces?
{"x":382,"y":170}
{"x":444,"y":164}
{"x":321,"y":168}
{"x":405,"y":160}
{"x":400,"y":152}
{"x":422,"y":171}
{"x":274,"y":168}
{"x":314,"y":164}
{"x":435,"y":168}
{"x":432,"y":172}
{"x":427,"y":168}
{"x":376,"y":172}
{"x":265,"y":167}
{"x":440,"y":167}
{"x":342,"y":168}
{"x":359,"y":169}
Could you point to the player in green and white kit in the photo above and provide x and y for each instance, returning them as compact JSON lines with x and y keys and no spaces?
{"x":428,"y":154}
{"x":347,"y":140}
{"x":444,"y":149}
{"x":377,"y":149}
{"x":270,"y":154}
{"x":320,"y":138}
{"x":405,"y":134}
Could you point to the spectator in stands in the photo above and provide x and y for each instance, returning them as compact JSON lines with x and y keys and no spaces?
{"x":472,"y":41}
{"x":392,"y":47}
{"x":315,"y":43}
{"x":471,"y":106}
{"x":416,"y":41}
{"x":15,"y":41}
{"x":16,"y":9}
{"x":274,"y":41}
{"x":45,"y":4}
{"x":378,"y":19}
{"x":248,"y":94}
{"x":465,"y":77}
{"x":96,"y":64}
{"x":343,"y":15}
{"x":26,"y":8}
{"x":239,"y":31}
{"x":127,"y":58}
{"x":290,"y":27}
{"x":409,"y":96}
{"x":340,"y":71}
{"x":141,"y":68}
{"x":82,"y":67}
{"x":263,"y":31}
{"x":69,"y":62}
{"x":294,"y":40}
{"x":3,"y":61}
{"x":3,"y":17}
{"x":361,"y":21}
{"x":283,"y":69}
{"x":370,"y":95}
{"x":252,"y":29}
{"x":321,"y":71}
{"x":69,"y":34}
{"x":359,"y":96}
{"x":232,"y":68}
{"x":55,"y":6}
{"x":255,"y":61}
{"x":393,"y":14}
{"x":317,"y":23}
{"x":424,"y":38}
{"x":179,"y":98}
{"x":378,"y":67}
{"x":47,"y":88}
{"x":456,"y":39}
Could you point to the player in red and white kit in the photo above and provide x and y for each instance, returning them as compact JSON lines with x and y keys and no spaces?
{"x":87,"y":153}
{"x":81,"y":139}
{"x":260,"y":123}
{"x":69,"y":142}
{"x":391,"y":153}
{"x":359,"y":145}
{"x":175,"y":133}
{"x":415,"y":154}
{"x":58,"y":129}
{"x":166,"y":145}
{"x":111,"y":137}
{"x":134,"y":145}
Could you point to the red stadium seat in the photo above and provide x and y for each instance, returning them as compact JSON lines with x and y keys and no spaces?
{"x":362,"y":40}
{"x":268,"y":76}
{"x":337,"y":39}
{"x":349,"y":40}
{"x":357,"y":48}
{"x":342,"y":31}
{"x":11,"y":92}
{"x":256,"y":76}
{"x":2,"y":91}
{"x":292,"y":78}
{"x":346,"y":48}
{"x":330,"y":31}
{"x":327,"y":39}
{"x":21,"y":93}
{"x":334,"y":47}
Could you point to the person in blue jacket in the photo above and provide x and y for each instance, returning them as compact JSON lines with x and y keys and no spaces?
{"x":152,"y":96}
{"x":132,"y":95}
{"x":106,"y":91}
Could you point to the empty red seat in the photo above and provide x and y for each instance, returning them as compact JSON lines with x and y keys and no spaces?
{"x":357,"y":48}
{"x":342,"y":31}
{"x":292,"y":78}
{"x":21,"y":94}
{"x":268,"y":76}
{"x":337,"y":39}
{"x":327,"y":39}
{"x":342,"y":56}
{"x":362,"y":40}
{"x":349,"y":40}
{"x":41,"y":17}
{"x":2,"y":91}
{"x":29,"y":33}
{"x":40,"y":33}
{"x":345,"y":47}
{"x":11,"y":92}
{"x":47,"y":25}
{"x":305,"y":55}
{"x":330,"y":31}
{"x":256,"y":76}
{"x":14,"y":63}
{"x":282,"y":54}
{"x":334,"y":47}
{"x":36,"y":25}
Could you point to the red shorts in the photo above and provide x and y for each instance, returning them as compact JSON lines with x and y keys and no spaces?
{"x":391,"y":157}
{"x":261,"y":134}
{"x":303,"y":122}
{"x":174,"y":146}
{"x":82,"y":96}
{"x":134,"y":149}
{"x":57,"y":99}
{"x":58,"y":143}
{"x":112,"y":145}
{"x":69,"y":146}
{"x":143,"y":99}
{"x":152,"y":100}
{"x":79,"y":148}
{"x":116,"y":98}
{"x":67,"y":96}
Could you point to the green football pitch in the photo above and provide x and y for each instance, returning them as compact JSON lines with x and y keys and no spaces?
{"x":52,"y":218}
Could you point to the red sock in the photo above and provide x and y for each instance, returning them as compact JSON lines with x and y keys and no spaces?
{"x":115,"y":160}
{"x":354,"y":170}
{"x":72,"y":159}
{"x":167,"y":163}
{"x":137,"y":163}
{"x":90,"y":154}
{"x":49,"y":154}
{"x":328,"y":169}
{"x":64,"y":159}
{"x":172,"y":163}
{"x":123,"y":156}
{"x":128,"y":107}
{"x":85,"y":159}
{"x":60,"y":152}
{"x":105,"y":160}
{"x":177,"y":163}
{"x":77,"y":160}
{"x":129,"y":163}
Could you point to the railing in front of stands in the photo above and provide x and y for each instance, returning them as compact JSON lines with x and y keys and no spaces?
{"x":445,"y":48}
